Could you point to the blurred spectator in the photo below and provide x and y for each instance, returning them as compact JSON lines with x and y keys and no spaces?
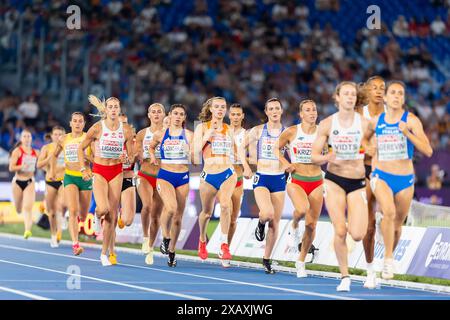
{"x":327,"y":5}
{"x":413,"y":26}
{"x":400,"y":27}
{"x":438,"y":26}
{"x":29,"y":110}
{"x":423,"y":28}
{"x":434,"y":180}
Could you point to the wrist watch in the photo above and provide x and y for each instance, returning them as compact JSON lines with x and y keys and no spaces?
{"x":82,"y":169}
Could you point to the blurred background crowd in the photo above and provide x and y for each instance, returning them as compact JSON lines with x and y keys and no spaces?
{"x":247,"y":51}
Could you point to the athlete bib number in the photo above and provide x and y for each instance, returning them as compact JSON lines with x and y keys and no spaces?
{"x":29,"y":163}
{"x":302,"y":152}
{"x":392,"y":147}
{"x":71,"y":152}
{"x":174,"y":149}
{"x":221,"y":146}
{"x":347,"y":148}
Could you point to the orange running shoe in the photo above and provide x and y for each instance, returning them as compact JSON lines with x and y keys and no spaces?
{"x":224,"y":252}
{"x":120,"y":223}
{"x":77,"y":250}
{"x":202,"y":252}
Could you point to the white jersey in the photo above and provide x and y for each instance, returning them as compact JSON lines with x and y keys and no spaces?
{"x":111,"y":143}
{"x":238,"y":140}
{"x":366,"y":113}
{"x":146,"y":144}
{"x":346,"y":142}
{"x":301,"y":147}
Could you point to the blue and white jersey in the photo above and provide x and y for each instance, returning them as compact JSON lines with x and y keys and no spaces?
{"x":392,"y":144}
{"x":267,"y":144}
{"x":174,"y":149}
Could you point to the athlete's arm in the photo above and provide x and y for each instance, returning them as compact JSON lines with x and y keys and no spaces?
{"x":44,"y":158}
{"x":250,"y":137}
{"x":129,"y":154}
{"x":413,"y":130}
{"x":198,"y":144}
{"x":190,"y":138}
{"x":13,"y":167}
{"x":322,"y":136}
{"x":89,"y":138}
{"x":157,"y":137}
{"x":139,"y":151}
{"x":54,"y":156}
{"x":283,"y":140}
{"x":369,"y":130}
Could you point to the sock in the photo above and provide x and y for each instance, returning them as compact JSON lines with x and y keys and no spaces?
{"x":74,"y":243}
{"x":53,"y":237}
{"x":223,"y":238}
{"x":369,"y":267}
{"x":300,"y":263}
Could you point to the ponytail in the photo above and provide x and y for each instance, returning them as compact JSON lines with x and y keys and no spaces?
{"x":100,"y":105}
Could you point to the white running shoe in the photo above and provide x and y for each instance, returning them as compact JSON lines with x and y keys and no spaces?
{"x":145,"y":247}
{"x":54,"y":242}
{"x":301,"y":272}
{"x":97,"y":225}
{"x":388,"y":269}
{"x":294,"y":235}
{"x":344,"y":286}
{"x":149,"y":258}
{"x":105,"y":260}
{"x":371,"y":280}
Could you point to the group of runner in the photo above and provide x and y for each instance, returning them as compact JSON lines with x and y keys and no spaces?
{"x":367,"y":151}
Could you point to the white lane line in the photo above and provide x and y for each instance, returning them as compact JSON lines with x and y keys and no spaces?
{"x":25,"y":294}
{"x":309,"y":293}
{"x":179,"y":295}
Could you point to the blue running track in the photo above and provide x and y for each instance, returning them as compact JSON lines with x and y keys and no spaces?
{"x":32,"y":270}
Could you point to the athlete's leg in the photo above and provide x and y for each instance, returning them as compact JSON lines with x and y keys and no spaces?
{"x":335,"y":201}
{"x":236,"y":201}
{"x":145,"y":191}
{"x":385,"y":199}
{"x":299,"y":200}
{"x":17,"y":196}
{"x":402,"y":204}
{"x":301,"y":206}
{"x":29,"y":197}
{"x":277,"y":199}
{"x":357,"y":214}
{"x":128,"y":205}
{"x":369,"y":239}
{"x":73,"y":202}
{"x":114,"y":192}
{"x":226,"y":191}
{"x":175,"y":229}
{"x":264,"y":203}
{"x":169,"y":198}
{"x":60,"y":208}
{"x":100,"y":187}
{"x":315,"y":200}
{"x":155,"y":217}
{"x":51,"y":197}
{"x":207,"y":197}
